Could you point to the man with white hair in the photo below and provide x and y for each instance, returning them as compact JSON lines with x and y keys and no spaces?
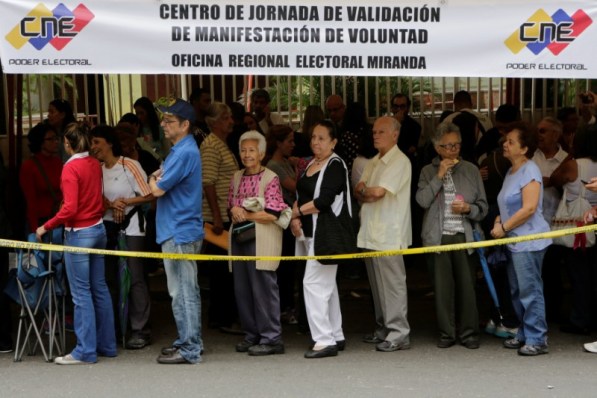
{"x":384,"y":191}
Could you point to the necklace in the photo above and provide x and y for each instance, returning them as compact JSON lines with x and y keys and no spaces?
{"x":253,"y":172}
{"x":111,"y":164}
{"x":320,"y":161}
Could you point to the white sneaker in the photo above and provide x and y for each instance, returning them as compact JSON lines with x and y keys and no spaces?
{"x":504,"y":332}
{"x":490,"y":327}
{"x":591,"y":347}
{"x":68,"y":360}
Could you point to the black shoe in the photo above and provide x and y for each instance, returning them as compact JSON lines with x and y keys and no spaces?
{"x":232,"y":329}
{"x":573,"y":329}
{"x":513,"y":343}
{"x":472,"y":344}
{"x":136,"y":343}
{"x":173,"y":359}
{"x":169,"y":350}
{"x":244,"y":346}
{"x":533,"y":350}
{"x":266,"y":349}
{"x":172,"y":350}
{"x":389,"y":346}
{"x":445,"y":343}
{"x":341,"y":344}
{"x":372,"y":339}
{"x":327,"y":351}
{"x":5,"y":347}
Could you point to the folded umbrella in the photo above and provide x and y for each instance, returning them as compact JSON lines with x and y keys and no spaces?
{"x":487,"y":274}
{"x":124,"y":286}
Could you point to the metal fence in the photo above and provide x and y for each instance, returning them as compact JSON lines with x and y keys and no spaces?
{"x":104,"y":98}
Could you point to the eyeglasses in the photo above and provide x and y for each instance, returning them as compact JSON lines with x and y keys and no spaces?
{"x":450,"y":147}
{"x":54,"y":138}
{"x":399,"y":106}
{"x":169,"y":121}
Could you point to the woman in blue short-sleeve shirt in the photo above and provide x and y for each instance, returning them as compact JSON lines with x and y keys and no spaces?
{"x":520,"y":203}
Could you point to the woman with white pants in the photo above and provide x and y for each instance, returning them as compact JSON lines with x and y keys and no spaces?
{"x":322,"y":187}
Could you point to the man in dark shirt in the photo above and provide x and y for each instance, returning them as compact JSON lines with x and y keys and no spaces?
{"x":200,"y":99}
{"x":410,"y":130}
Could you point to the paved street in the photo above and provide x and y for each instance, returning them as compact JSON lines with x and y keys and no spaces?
{"x":360,"y":371}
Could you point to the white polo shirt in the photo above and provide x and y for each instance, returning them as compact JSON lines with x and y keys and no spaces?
{"x":276,"y":119}
{"x":386,"y":223}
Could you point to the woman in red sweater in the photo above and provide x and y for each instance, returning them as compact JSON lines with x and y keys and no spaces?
{"x":40,"y":176}
{"x":81,"y":214}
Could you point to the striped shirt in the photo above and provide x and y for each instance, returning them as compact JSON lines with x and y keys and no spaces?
{"x":126,"y":179}
{"x":452,"y":222}
{"x":219,"y":165}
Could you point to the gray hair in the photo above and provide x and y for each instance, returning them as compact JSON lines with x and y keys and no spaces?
{"x":395,"y":124}
{"x":443,"y":129}
{"x":555,"y":123}
{"x":215,"y":112}
{"x":254,"y":135}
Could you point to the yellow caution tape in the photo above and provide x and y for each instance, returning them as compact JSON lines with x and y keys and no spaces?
{"x":14,"y":244}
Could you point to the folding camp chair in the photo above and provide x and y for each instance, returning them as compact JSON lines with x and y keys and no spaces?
{"x":36,"y":287}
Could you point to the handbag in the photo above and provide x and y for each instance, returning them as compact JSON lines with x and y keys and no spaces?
{"x":334,"y":235}
{"x":243,"y":232}
{"x":570,"y":215}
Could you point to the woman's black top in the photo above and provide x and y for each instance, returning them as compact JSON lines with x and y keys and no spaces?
{"x":333,"y":183}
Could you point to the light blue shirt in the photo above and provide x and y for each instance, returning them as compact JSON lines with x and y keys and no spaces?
{"x":179,"y":214}
{"x":510,"y":201}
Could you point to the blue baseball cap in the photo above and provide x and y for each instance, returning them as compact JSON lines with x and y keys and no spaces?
{"x":180,"y":108}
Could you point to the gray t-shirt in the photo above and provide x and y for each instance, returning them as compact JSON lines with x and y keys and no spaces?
{"x":284,"y":169}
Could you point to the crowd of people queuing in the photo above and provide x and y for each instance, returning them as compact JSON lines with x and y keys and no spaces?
{"x":165,"y":173}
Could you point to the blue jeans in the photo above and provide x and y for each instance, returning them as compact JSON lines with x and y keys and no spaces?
{"x":186,"y":301}
{"x":526,"y":286}
{"x":93,"y":314}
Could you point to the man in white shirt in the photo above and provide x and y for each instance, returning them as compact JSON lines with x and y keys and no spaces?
{"x":548,"y":156}
{"x":384,"y":191}
{"x":260,"y":100}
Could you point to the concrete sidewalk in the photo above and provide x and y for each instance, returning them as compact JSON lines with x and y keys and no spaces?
{"x":360,"y":371}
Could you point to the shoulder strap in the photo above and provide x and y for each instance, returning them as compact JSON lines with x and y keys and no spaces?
{"x":46,"y":179}
{"x":497,"y":169}
{"x":268,"y":175}
{"x":237,"y":177}
{"x":583,"y":190}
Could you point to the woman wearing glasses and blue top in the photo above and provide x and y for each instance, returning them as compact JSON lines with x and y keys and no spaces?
{"x":451,"y":193}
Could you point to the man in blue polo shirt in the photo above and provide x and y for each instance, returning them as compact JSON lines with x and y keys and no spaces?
{"x":177,"y":185}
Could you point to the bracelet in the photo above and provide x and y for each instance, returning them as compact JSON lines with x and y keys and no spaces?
{"x":503,"y":228}
{"x":300,"y":212}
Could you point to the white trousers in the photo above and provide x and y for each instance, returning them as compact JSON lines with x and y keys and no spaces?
{"x":322,"y":302}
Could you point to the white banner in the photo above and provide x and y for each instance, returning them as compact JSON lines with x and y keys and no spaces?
{"x":480,"y":38}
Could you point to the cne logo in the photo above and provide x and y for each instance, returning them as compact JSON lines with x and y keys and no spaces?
{"x":553,"y":32}
{"x":56,"y":27}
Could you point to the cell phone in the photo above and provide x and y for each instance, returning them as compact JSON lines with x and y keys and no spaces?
{"x":585,"y":182}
